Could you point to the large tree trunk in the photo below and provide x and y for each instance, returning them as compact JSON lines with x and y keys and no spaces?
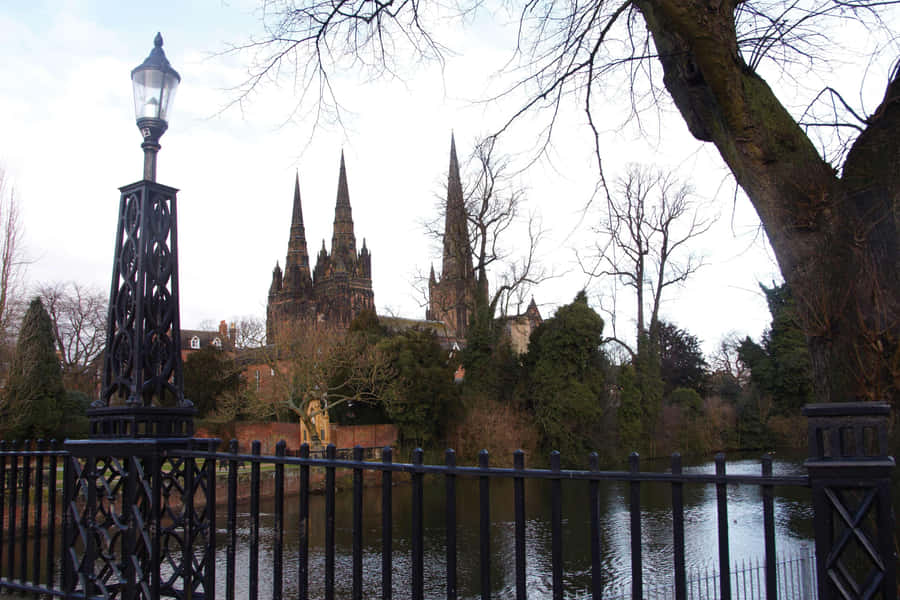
{"x":835,"y":237}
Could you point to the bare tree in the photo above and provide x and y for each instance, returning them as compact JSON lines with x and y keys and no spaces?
{"x":643,"y":242}
{"x":78,"y":314}
{"x":831,"y":217}
{"x":316,"y":368}
{"x":13,"y":263}
{"x":726,"y":360}
{"x":249,"y":332}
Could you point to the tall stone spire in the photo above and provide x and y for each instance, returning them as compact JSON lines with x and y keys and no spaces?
{"x":296,"y":267}
{"x":457,"y":260}
{"x":452,"y":298}
{"x":343,"y":241}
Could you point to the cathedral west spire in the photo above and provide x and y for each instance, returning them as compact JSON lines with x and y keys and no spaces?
{"x":296,"y":266}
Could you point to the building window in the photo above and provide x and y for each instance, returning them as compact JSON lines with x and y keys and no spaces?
{"x":195,"y":343}
{"x":217,"y":343}
{"x":257,"y":380}
{"x":272,"y":372}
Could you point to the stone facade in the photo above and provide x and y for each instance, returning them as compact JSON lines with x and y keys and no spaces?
{"x":340,"y":285}
{"x":520,"y":327}
{"x":451,"y":298}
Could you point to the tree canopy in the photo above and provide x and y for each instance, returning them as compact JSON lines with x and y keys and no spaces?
{"x":420,"y":395}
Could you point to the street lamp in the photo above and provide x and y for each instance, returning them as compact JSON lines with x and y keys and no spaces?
{"x":142,"y":395}
{"x":155,"y":83}
{"x":136,"y":533}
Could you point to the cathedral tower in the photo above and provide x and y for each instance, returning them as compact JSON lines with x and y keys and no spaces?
{"x":452,"y":298}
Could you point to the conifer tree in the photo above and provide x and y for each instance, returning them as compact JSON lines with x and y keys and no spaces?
{"x":35,"y":394}
{"x":567,"y":379}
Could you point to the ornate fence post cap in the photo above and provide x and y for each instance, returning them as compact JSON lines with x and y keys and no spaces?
{"x":848,"y":431}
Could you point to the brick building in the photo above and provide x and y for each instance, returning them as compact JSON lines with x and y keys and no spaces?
{"x":193,"y":340}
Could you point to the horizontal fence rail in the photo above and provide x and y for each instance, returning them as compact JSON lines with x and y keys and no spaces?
{"x":138,"y":520}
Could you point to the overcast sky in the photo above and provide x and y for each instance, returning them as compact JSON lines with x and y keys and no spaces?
{"x":69,"y":141}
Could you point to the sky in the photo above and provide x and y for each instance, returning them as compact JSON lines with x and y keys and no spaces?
{"x":69,"y":141}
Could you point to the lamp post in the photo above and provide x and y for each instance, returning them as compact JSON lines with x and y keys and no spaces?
{"x":143,"y":391}
{"x":155,"y":83}
{"x":129,"y":496}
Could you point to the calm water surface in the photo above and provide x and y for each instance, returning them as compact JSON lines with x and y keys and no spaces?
{"x":793,"y":522}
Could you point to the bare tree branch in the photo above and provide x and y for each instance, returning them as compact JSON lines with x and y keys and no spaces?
{"x":642,"y":240}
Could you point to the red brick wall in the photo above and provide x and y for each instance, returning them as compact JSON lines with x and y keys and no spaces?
{"x":367,"y":436}
{"x":269,"y":434}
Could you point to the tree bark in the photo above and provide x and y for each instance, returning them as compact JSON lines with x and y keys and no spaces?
{"x":835,"y":237}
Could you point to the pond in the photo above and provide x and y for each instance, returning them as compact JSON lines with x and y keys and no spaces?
{"x":793,"y":522}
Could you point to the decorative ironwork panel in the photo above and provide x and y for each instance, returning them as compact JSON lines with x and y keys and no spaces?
{"x":139,"y":521}
{"x":187,"y":530}
{"x":850,"y":472}
{"x":106,"y":508}
{"x":142,"y":394}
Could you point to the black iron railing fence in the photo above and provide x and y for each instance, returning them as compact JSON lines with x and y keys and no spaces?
{"x":137,"y":518}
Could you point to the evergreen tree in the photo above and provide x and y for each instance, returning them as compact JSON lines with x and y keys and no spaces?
{"x":628,"y":414}
{"x":209,"y":373}
{"x":680,"y":359}
{"x":35,"y":397}
{"x":650,"y":385}
{"x":567,"y":372}
{"x":780,"y":367}
{"x":421,"y":395}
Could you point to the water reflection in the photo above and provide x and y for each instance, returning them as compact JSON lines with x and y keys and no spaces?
{"x":793,"y":518}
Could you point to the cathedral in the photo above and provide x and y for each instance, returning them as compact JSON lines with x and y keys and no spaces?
{"x":451,"y":298}
{"x":340,"y":286}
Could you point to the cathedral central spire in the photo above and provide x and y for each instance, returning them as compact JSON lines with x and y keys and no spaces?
{"x":452,"y":298}
{"x":457,"y":259}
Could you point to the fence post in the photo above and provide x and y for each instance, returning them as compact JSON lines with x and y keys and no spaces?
{"x":850,"y":475}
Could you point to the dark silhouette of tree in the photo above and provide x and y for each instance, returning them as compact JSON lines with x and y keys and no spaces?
{"x":567,"y":379}
{"x":681,"y":362}
{"x":420,"y":395}
{"x":830,"y":212}
{"x":779,"y":365}
{"x":210,"y":373}
{"x":34,"y":399}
